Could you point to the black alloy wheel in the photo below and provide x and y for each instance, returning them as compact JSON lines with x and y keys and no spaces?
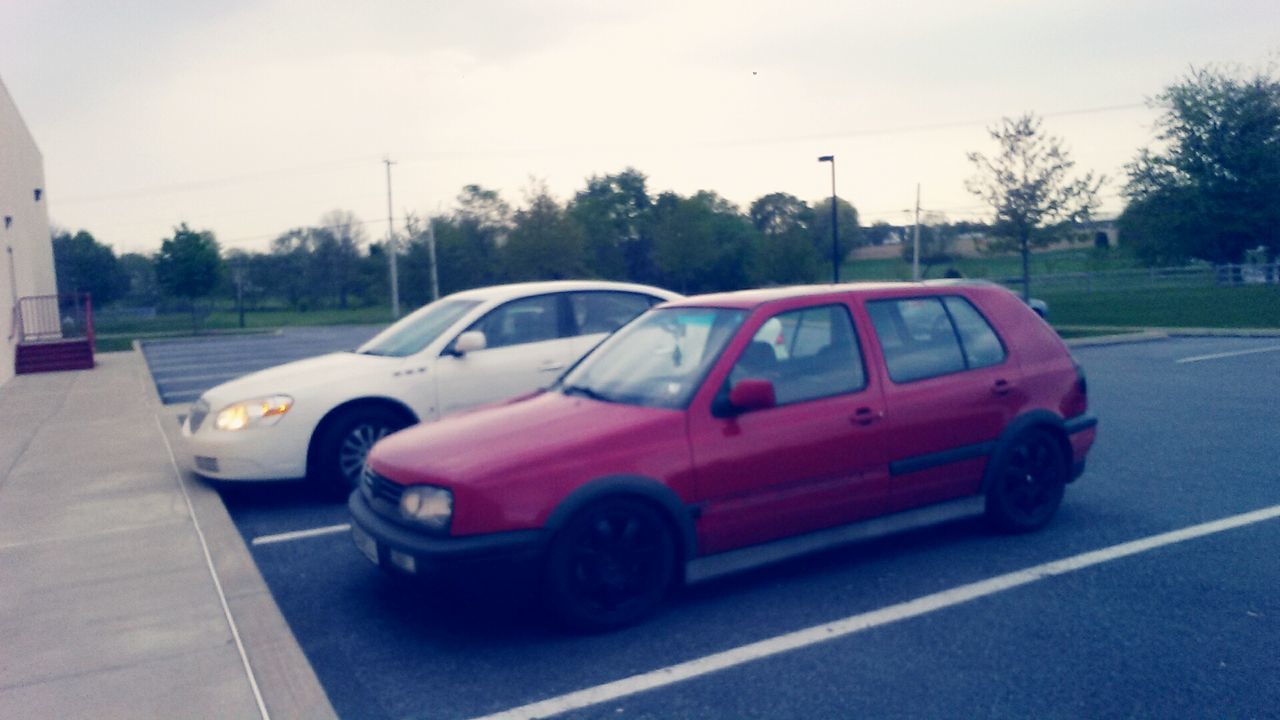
{"x":1028,"y":482}
{"x":610,"y":565}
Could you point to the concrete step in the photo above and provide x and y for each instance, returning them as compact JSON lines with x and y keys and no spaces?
{"x":53,"y":356}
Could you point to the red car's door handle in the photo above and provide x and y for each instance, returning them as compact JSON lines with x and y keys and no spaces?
{"x":866,"y":416}
{"x":1001,"y":387}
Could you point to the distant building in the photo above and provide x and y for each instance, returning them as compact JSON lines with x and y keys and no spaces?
{"x":26,"y":252}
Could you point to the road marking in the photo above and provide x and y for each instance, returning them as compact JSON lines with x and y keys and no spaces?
{"x":213,"y":573}
{"x":868,"y":620}
{"x":300,"y":534}
{"x":1216,"y":356}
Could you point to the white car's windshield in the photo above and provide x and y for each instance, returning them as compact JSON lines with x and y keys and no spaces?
{"x":658,"y":360}
{"x":415,"y":331}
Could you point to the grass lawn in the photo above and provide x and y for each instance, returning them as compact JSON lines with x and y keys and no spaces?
{"x":118,"y":334}
{"x":180,"y":323}
{"x":1250,"y":306}
{"x":1080,"y":259}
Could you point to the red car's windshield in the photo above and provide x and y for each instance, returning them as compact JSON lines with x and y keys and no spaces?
{"x":659,"y":360}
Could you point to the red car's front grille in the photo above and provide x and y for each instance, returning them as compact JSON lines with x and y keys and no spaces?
{"x":381,"y":493}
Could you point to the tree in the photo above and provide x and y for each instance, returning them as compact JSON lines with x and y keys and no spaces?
{"x":782,"y":213}
{"x":141,"y":272}
{"x":937,"y":238}
{"x":1029,"y":188}
{"x":786,"y":254}
{"x":702,"y":243}
{"x":290,"y":260}
{"x":879,"y":233}
{"x":467,"y":244}
{"x":347,"y":235}
{"x":820,"y":229}
{"x":1211,"y":189}
{"x":188,"y":266}
{"x":82,"y":264}
{"x":616,"y":216}
{"x":544,"y":244}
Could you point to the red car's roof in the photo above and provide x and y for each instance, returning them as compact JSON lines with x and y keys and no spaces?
{"x":747,"y":299}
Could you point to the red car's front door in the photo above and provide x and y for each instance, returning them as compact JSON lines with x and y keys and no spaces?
{"x":815,"y":459}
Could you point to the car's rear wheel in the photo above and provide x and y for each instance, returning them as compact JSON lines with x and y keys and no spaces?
{"x":1027,"y":485}
{"x":610,"y":565}
{"x":345,"y":443}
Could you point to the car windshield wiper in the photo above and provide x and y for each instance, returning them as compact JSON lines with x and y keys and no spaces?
{"x":585,"y":391}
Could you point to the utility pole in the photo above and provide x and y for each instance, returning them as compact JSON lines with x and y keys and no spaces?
{"x":391,"y":247}
{"x":835,"y":232}
{"x":431,"y":253}
{"x":915,"y":242}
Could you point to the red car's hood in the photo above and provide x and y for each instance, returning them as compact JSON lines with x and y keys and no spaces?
{"x":546,"y":430}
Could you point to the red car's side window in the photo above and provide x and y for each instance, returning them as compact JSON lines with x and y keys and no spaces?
{"x":807,"y":354}
{"x":916,"y":337}
{"x":982,"y":347}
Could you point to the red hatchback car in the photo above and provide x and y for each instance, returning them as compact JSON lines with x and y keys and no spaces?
{"x":725,"y":431}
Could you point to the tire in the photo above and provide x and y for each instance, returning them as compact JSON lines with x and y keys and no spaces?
{"x":1028,"y":482}
{"x":610,"y":565}
{"x":345,"y":443}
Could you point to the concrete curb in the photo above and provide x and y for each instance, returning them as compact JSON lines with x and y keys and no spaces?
{"x":1132,"y":335}
{"x":288,"y":684}
{"x":1117,"y":339}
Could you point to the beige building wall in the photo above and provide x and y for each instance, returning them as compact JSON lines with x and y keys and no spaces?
{"x":26,"y":252}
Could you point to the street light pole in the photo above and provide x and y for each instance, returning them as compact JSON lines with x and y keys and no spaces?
{"x":835,"y":230}
{"x":391,"y":248}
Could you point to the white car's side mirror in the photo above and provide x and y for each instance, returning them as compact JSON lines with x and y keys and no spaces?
{"x":469,"y":341}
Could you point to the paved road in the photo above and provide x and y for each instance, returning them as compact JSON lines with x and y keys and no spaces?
{"x":1188,"y":629}
{"x":182,"y":369}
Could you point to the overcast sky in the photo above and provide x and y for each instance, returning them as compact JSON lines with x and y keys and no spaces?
{"x":251,"y":117}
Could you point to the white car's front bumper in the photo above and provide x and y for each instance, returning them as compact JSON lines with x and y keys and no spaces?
{"x":278,"y":452}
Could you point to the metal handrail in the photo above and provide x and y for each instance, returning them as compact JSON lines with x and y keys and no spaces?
{"x":40,"y":318}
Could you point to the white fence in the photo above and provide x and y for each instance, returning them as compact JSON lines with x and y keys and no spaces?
{"x":1190,"y":276}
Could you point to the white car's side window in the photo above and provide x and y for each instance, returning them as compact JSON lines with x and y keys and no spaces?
{"x":603,"y":311}
{"x":521,"y":321}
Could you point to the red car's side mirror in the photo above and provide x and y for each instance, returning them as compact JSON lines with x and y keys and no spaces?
{"x":752,"y":394}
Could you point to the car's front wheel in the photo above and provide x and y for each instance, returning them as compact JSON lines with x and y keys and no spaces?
{"x":610,"y":565}
{"x":1028,"y":482}
{"x":345,"y":443}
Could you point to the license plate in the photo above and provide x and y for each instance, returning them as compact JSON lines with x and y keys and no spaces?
{"x":367,"y":545}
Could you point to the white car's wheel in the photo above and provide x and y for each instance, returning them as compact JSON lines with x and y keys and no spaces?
{"x":345,"y":443}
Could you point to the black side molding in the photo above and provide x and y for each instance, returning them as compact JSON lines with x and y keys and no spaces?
{"x":1079,"y":423}
{"x":916,"y":463}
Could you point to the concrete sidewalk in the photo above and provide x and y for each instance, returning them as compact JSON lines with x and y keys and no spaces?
{"x":125,"y":590}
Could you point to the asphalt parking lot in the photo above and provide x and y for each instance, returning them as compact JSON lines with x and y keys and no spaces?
{"x":1184,"y":628}
{"x":182,"y":369}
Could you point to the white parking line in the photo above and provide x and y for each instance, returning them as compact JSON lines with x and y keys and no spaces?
{"x":1216,"y":356}
{"x":300,"y":534}
{"x":865,"y":621}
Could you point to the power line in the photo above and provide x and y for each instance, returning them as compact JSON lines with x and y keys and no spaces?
{"x":922,"y":127}
{"x":212,"y":182}
{"x":361,"y":160}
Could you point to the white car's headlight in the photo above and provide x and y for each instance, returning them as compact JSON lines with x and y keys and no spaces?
{"x":248,"y":413}
{"x":427,"y":505}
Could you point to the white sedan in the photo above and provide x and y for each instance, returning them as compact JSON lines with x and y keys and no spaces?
{"x":317,"y":418}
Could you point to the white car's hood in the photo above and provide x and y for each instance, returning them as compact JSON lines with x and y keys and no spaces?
{"x":293,"y":378}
